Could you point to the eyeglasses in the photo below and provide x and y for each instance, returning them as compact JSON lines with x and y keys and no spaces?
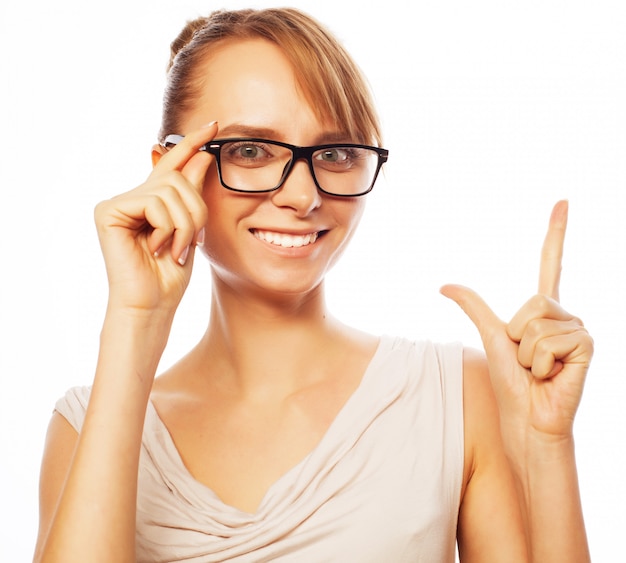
{"x":259,"y":165}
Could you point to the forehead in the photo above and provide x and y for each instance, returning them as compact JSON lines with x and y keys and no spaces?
{"x":252,"y":82}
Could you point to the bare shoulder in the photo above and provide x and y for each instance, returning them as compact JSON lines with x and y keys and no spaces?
{"x":490,"y":524}
{"x":480,"y":413}
{"x":60,"y":444}
{"x":479,"y":402}
{"x":475,"y":368}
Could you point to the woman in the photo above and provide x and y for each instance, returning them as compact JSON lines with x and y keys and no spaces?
{"x":285,"y":434}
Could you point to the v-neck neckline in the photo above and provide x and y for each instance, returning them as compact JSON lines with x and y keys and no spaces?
{"x":342,"y":426}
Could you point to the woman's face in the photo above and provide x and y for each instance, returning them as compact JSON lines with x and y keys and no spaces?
{"x":250,"y":89}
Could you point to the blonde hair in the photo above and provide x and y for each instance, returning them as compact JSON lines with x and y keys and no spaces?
{"x":326,"y":74}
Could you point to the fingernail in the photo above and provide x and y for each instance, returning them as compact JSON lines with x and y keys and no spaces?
{"x":200,"y":239}
{"x":183,"y":256}
{"x":208,"y":125}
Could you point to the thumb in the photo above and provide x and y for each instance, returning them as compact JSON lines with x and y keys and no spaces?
{"x":486,"y":321}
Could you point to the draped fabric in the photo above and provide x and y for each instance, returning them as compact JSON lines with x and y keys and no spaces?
{"x":383,"y":484}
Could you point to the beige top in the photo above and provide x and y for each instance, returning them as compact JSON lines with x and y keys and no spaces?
{"x":383,"y":485}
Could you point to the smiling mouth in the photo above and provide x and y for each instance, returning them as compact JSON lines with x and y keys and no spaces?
{"x":286,"y":240}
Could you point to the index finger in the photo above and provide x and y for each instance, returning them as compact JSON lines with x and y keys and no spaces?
{"x":552,"y":252}
{"x":187,"y":147}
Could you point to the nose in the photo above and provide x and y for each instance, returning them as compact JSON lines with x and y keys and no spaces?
{"x":298,"y":191}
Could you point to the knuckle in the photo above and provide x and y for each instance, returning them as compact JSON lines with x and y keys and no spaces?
{"x":187,"y":227}
{"x":154,"y":200}
{"x":99,"y":210}
{"x":535,"y":328}
{"x":163,"y":180}
{"x":591,"y":345}
{"x":587,"y":341}
{"x":524,"y":357}
{"x":540,"y":304}
{"x":543,"y":348}
{"x":167,"y":190}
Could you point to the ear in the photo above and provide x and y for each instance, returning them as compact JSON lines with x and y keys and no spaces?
{"x":157,"y":152}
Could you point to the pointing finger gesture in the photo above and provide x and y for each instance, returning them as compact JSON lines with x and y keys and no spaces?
{"x":552,"y":252}
{"x":539,"y":360}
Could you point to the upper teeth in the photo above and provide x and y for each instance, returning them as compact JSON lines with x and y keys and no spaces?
{"x":285,"y":240}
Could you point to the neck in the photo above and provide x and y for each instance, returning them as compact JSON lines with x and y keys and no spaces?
{"x":267,"y":345}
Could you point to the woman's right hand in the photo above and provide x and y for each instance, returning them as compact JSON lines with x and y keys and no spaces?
{"x":147,"y":237}
{"x":148,"y":234}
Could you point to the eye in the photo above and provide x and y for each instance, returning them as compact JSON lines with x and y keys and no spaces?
{"x":249,"y":151}
{"x":339,"y":159}
{"x":244,"y":151}
{"x":335,"y":155}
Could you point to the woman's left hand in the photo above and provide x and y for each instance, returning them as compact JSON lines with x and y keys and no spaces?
{"x":539,"y":360}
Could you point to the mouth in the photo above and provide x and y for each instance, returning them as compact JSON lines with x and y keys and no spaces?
{"x":286,"y":240}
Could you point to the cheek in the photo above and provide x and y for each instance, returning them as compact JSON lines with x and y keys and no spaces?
{"x":225,"y":211}
{"x":221,"y":205}
{"x":216,"y":200}
{"x":350,"y":214}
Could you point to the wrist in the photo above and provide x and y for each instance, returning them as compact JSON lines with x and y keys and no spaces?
{"x":549,"y":449}
{"x":131,"y":344}
{"x":545,"y":474}
{"x":137,"y":318}
{"x":529,"y":447}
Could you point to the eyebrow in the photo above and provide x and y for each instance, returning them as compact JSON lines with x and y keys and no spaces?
{"x":241,"y":130}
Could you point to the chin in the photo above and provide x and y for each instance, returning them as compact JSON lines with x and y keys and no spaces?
{"x":288,"y":285}
{"x":268,"y":283}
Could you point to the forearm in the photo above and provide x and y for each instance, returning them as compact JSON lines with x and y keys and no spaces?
{"x":550,"y":498}
{"x":95,"y":516}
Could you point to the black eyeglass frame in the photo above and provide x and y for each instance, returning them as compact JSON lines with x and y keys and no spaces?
{"x":298,"y":153}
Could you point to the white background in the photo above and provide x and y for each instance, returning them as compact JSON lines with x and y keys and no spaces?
{"x":492,"y":111}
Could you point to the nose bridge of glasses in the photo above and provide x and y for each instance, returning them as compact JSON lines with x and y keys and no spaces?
{"x":298,"y":154}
